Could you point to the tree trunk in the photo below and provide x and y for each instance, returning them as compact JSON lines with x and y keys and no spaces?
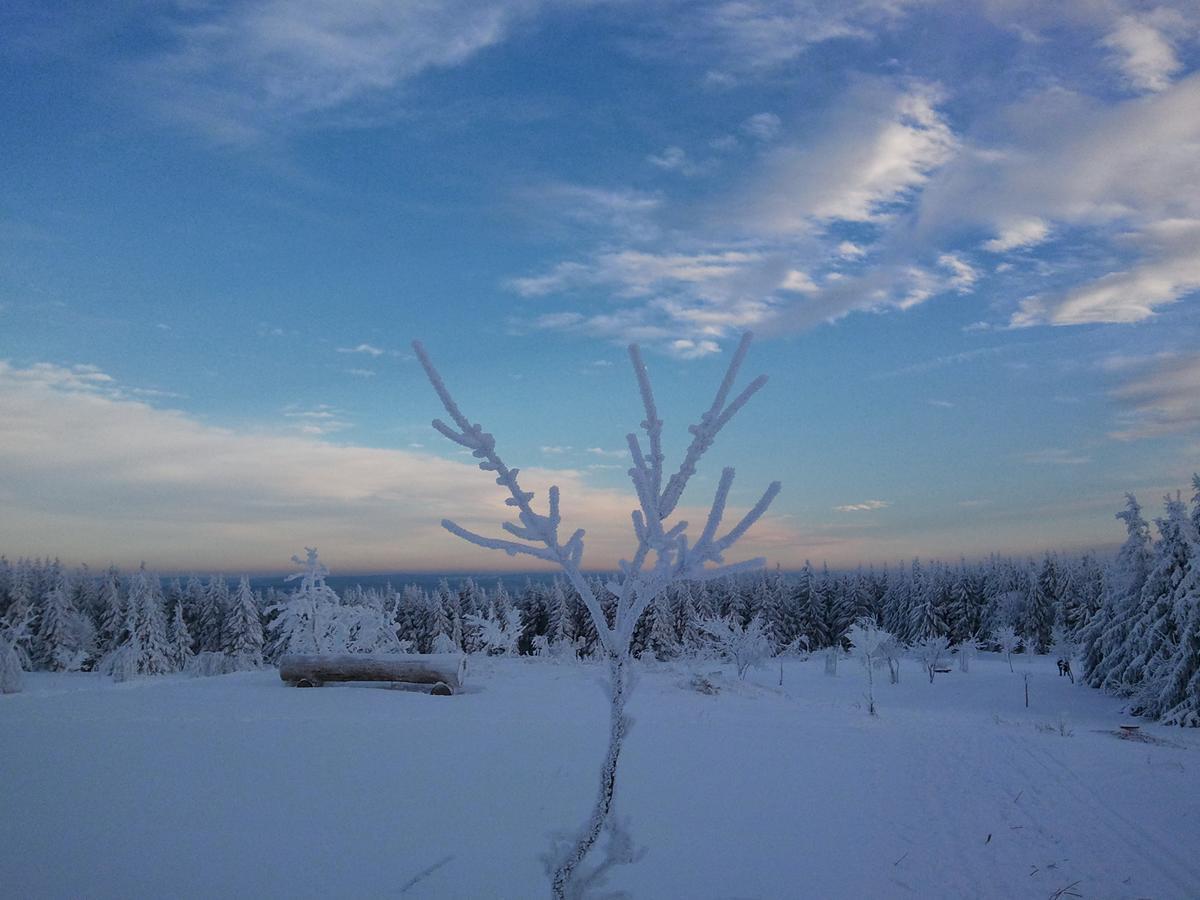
{"x":618,"y":725}
{"x":430,"y":668}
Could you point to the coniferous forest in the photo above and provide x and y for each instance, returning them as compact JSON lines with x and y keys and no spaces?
{"x":1130,"y":621}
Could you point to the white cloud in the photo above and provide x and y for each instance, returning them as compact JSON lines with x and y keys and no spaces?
{"x":615,"y":454}
{"x":762,"y":126}
{"x":1169,"y":271}
{"x":1162,"y":399}
{"x":799,"y":282}
{"x":879,"y":150}
{"x":762,"y":34}
{"x":865,"y":506}
{"x":318,"y":420}
{"x":239,"y":71}
{"x":93,"y":477}
{"x":962,"y":274}
{"x":684,"y":348}
{"x":1143,"y":52}
{"x":1018,"y":235}
{"x":361,"y":348}
{"x":675,"y":159}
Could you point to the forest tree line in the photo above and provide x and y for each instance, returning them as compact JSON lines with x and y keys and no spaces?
{"x":1133,"y":620}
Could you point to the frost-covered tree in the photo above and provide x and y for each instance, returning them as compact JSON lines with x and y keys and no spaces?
{"x":11,"y":670}
{"x":1038,"y":627}
{"x":143,"y":649}
{"x":930,"y":652}
{"x":179,"y":641}
{"x":66,"y":636}
{"x":497,"y":633}
{"x":1008,"y":641}
{"x":968,"y":649}
{"x":893,"y":652}
{"x":210,"y":617}
{"x":663,"y":554}
{"x":111,"y":632}
{"x":747,"y":647}
{"x":242,"y":633}
{"x":307,"y":621}
{"x":1105,"y":638}
{"x":869,"y":643}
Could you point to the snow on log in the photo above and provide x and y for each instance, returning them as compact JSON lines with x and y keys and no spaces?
{"x":449,"y":669}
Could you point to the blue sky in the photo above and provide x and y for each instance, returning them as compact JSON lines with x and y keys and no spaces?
{"x":966,"y":236}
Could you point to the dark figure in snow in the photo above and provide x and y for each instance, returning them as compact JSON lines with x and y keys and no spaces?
{"x":1064,"y":668}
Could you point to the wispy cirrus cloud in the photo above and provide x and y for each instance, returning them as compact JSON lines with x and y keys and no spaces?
{"x":1161,"y":397}
{"x":1056,"y":456}
{"x":864,"y":506}
{"x":242,"y":71}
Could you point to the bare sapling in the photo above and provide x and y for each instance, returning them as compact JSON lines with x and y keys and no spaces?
{"x":662,"y":554}
{"x":870,"y":644}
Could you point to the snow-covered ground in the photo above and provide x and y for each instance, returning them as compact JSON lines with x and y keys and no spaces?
{"x":239,"y":786}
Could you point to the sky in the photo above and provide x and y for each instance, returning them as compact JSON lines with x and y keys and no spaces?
{"x":966,"y":236}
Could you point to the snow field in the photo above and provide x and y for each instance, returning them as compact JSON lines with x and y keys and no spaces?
{"x":238,"y":786}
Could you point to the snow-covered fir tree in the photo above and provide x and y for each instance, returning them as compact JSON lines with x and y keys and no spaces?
{"x":242,"y":634}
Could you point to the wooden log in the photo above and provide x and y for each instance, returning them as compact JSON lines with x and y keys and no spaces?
{"x":449,"y":669}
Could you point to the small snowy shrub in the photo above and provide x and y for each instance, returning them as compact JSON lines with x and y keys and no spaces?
{"x":498,"y":634}
{"x":931,"y":651}
{"x":443,"y":643}
{"x":968,"y":649}
{"x":747,"y":648}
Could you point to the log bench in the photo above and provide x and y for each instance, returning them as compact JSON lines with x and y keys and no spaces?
{"x":444,"y":672}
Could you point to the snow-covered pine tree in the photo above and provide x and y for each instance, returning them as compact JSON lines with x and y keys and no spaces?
{"x":210,"y":617}
{"x":1038,"y":627}
{"x":663,"y":642}
{"x":664,"y":554}
{"x":1178,"y":683}
{"x":436,"y":621}
{"x":926,"y":617}
{"x":143,"y":649}
{"x":306,"y":620}
{"x":22,"y":617}
{"x":688,"y":635}
{"x":812,"y":608}
{"x":1157,"y":626}
{"x":1103,"y":639}
{"x":67,"y":637}
{"x":242,"y":633}
{"x":179,"y":641}
{"x":193,"y":604}
{"x":113,"y":617}
{"x":560,"y":629}
{"x":841,"y":612}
